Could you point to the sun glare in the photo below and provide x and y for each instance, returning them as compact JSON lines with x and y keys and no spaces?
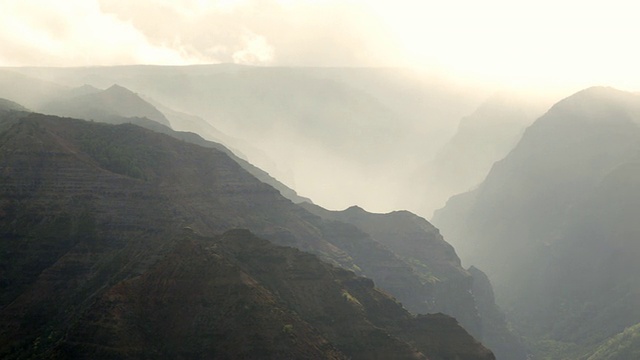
{"x":536,"y":44}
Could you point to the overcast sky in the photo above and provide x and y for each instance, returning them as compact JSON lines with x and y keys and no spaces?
{"x":533,"y":43}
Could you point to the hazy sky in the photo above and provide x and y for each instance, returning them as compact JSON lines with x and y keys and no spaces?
{"x":541,"y":43}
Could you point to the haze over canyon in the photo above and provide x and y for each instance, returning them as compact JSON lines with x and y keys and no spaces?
{"x":319,"y":179}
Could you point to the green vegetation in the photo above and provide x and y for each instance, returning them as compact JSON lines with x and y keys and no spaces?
{"x":287,"y":329}
{"x":625,"y":345}
{"x":423,"y":270}
{"x":553,"y":350}
{"x":350,"y":298}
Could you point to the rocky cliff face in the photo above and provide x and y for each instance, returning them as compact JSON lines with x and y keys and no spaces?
{"x":91,"y":216}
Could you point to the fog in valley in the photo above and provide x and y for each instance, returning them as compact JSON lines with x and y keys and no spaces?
{"x":511,"y":129}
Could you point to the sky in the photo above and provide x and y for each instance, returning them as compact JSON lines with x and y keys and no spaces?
{"x":543,"y":43}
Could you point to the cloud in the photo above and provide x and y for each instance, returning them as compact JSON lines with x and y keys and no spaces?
{"x":76,"y":32}
{"x":256,"y":51}
{"x":544,"y":42}
{"x":256,"y":32}
{"x":263,"y":32}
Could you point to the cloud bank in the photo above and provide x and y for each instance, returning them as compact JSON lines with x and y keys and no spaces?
{"x":75,"y":32}
{"x":252,"y":32}
{"x":545,"y":43}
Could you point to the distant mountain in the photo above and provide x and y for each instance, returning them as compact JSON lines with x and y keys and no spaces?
{"x":81,"y":91}
{"x":554,"y":223}
{"x":198,"y":140}
{"x":96,"y":217}
{"x":182,"y":121}
{"x":370,"y":128}
{"x":118,"y":105}
{"x":115,"y":101}
{"x":28,"y":91}
{"x":482,"y":138}
{"x":420,"y":245}
{"x":202,"y":130}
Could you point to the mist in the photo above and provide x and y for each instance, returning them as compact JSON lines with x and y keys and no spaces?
{"x":513,"y":127}
{"x":340,"y":137}
{"x":374,"y":133}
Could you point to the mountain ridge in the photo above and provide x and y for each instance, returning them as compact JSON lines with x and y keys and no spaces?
{"x":419,"y":244}
{"x":87,"y":205}
{"x":557,"y":213}
{"x":103,"y":105}
{"x":357,"y":120}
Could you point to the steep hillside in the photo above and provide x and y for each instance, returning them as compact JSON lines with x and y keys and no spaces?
{"x":554,"y":223}
{"x":420,"y":245}
{"x":89,"y":211}
{"x":231,"y":297}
